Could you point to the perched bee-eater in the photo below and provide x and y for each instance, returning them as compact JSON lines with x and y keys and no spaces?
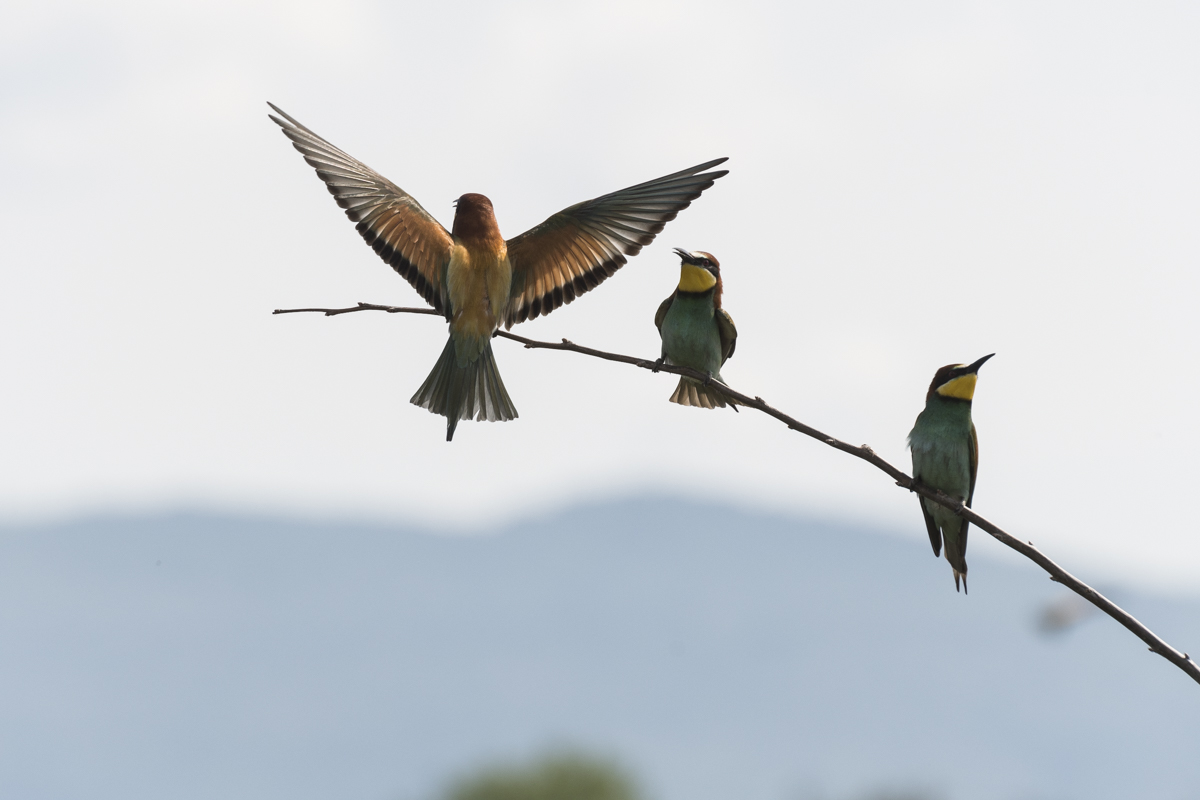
{"x":945,"y":456}
{"x":479,"y":280}
{"x":696,"y":332}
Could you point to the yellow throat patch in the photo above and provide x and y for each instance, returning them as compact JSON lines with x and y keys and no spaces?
{"x":962,"y":387}
{"x":695,"y":279}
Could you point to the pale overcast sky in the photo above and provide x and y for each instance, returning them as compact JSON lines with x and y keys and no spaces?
{"x":911,"y":185}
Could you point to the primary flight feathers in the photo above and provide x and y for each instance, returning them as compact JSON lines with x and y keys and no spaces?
{"x":569,"y":254}
{"x":478,"y":280}
{"x":577,"y":248}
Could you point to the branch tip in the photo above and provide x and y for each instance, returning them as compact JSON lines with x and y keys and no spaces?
{"x":865,"y":453}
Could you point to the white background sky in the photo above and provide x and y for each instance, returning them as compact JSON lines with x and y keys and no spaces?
{"x":911,"y":185}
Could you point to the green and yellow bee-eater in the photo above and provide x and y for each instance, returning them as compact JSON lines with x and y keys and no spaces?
{"x":477,"y":278}
{"x":945,"y":456}
{"x":696,"y":332}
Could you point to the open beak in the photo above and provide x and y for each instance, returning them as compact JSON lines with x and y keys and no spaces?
{"x":685,"y":255}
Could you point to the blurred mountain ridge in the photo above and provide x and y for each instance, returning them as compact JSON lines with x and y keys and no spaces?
{"x":716,"y":651}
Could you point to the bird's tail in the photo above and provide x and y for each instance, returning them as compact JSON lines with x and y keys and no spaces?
{"x":691,"y":392}
{"x":956,"y":547}
{"x":464,"y":388}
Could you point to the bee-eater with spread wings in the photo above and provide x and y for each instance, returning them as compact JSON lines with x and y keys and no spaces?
{"x":479,"y":280}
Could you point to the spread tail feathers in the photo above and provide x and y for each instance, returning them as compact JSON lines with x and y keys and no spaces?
{"x":461,"y":392}
{"x":691,"y":392}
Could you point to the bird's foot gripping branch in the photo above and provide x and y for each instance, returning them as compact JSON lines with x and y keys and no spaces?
{"x":952,"y":504}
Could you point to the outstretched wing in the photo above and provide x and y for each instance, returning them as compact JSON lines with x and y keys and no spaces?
{"x":392,"y":222}
{"x":579,"y":247}
{"x":728,"y":334}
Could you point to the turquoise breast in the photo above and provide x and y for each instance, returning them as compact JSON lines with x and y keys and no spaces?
{"x":690,"y":337}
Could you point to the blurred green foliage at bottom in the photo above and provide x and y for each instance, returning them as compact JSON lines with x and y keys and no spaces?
{"x":563,"y":776}
{"x":577,"y":776}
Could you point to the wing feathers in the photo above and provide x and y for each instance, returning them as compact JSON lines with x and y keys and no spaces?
{"x":388,"y":218}
{"x":728,"y":333}
{"x":661,"y":314}
{"x":566,"y":256}
{"x":970,"y":494}
{"x":935,"y":534}
{"x":575,"y":250}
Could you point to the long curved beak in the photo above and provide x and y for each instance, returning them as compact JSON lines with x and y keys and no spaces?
{"x":973,"y":368}
{"x":685,"y":255}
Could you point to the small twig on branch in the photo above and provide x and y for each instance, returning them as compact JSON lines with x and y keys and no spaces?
{"x":1057,"y":573}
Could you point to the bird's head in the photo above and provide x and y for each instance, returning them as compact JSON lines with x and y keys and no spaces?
{"x":957,"y":381}
{"x":474,"y":218}
{"x":699,"y":272}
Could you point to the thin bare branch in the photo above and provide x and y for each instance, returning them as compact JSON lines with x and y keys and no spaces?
{"x":333,"y":312}
{"x":902,"y":479}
